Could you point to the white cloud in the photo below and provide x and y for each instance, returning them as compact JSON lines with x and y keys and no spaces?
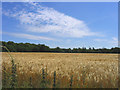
{"x":100,"y":40}
{"x":112,"y":41}
{"x":115,"y":39}
{"x":28,"y":36}
{"x":41,"y":19}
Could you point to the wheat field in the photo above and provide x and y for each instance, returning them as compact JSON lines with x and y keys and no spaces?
{"x":61,"y":70}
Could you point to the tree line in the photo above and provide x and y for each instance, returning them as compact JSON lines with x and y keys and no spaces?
{"x":28,"y":47}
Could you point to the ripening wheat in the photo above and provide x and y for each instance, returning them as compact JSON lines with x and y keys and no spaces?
{"x":79,"y":70}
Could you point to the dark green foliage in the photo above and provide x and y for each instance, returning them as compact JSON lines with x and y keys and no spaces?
{"x":30,"y":84}
{"x":13,"y":76}
{"x":27,"y":47}
{"x":43,"y":83}
{"x":71,"y":81}
{"x":54,"y":80}
{"x":43,"y":75}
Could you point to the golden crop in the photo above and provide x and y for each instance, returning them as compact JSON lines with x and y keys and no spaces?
{"x":88,"y":69}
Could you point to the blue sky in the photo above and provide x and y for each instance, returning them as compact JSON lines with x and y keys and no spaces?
{"x":63,"y":24}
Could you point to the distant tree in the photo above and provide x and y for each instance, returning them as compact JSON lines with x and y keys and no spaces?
{"x":28,"y":47}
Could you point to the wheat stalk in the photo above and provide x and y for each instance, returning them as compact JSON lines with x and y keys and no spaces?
{"x":13,"y":76}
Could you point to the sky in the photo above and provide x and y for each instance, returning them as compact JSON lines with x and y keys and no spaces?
{"x":61,"y":24}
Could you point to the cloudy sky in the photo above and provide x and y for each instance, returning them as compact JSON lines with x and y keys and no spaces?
{"x":63,"y":24}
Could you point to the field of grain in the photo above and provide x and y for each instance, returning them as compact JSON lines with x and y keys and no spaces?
{"x":76,"y":70}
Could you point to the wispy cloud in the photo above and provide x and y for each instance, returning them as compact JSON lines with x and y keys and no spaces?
{"x":41,"y":19}
{"x":28,"y":36}
{"x":100,"y":40}
{"x":113,"y":41}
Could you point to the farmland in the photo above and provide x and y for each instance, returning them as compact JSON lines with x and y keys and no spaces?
{"x":61,"y":70}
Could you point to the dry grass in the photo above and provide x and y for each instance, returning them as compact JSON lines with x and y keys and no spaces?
{"x":88,"y":70}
